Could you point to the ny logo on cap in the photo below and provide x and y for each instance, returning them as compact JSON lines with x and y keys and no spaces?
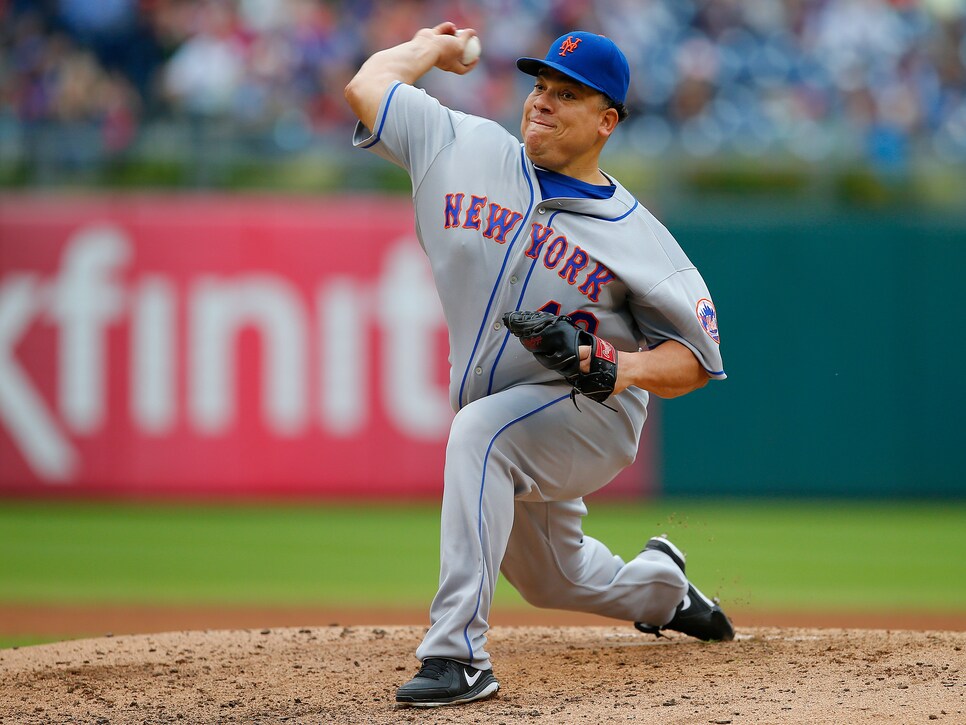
{"x":569,"y":45}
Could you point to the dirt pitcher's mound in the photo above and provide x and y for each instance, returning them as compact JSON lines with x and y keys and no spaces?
{"x":547,"y":675}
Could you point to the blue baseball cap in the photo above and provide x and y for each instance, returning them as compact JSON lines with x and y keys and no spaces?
{"x":589,"y":58}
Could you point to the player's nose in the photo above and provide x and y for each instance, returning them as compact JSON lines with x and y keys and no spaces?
{"x":542,"y":104}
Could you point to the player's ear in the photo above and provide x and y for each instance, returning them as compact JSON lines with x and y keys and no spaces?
{"x":609,"y":118}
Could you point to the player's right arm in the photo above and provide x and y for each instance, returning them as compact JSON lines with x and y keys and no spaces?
{"x":440,"y":47}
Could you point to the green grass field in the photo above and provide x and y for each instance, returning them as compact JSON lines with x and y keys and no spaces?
{"x":787,"y":555}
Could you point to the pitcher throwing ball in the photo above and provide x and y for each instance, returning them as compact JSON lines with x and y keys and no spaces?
{"x":567,"y":304}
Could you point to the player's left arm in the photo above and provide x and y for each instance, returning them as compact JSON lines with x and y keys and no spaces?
{"x":668,"y":370}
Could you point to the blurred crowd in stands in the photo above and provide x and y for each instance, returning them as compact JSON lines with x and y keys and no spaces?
{"x":876,"y":80}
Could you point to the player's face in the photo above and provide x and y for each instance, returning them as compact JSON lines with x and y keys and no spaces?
{"x":565,"y":124}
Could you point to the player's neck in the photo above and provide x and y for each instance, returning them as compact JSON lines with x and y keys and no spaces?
{"x":595,"y":176}
{"x":601,"y":179}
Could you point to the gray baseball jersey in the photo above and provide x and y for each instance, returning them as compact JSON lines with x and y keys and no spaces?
{"x":520,"y":456}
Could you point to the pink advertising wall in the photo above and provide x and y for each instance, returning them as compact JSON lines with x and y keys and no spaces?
{"x":222,"y":346}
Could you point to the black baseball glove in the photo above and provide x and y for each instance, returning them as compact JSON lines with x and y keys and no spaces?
{"x":554,"y":341}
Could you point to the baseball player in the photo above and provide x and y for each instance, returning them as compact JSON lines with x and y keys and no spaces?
{"x":532,"y":243}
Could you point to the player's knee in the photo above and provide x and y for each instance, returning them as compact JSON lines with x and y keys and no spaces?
{"x":660,"y":569}
{"x":469,"y":430}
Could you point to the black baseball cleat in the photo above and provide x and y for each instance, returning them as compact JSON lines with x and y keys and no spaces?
{"x":446,"y":682}
{"x":697,"y":616}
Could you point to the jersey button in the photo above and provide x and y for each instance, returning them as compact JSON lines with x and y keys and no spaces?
{"x":513,"y":279}
{"x":541,"y":210}
{"x":497,"y":325}
{"x":479,"y":370}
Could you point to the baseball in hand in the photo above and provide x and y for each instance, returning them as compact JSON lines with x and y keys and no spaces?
{"x":472,"y":50}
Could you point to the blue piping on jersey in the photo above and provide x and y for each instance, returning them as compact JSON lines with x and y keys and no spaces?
{"x":385,"y":115}
{"x":479,"y":514}
{"x":625,"y":214}
{"x":594,"y":216}
{"x":506,"y":335}
{"x":499,"y":277}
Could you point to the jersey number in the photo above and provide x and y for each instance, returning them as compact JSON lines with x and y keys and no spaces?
{"x":581,"y":318}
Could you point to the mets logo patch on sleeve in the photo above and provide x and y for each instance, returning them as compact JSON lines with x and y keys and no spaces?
{"x":708,"y":319}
